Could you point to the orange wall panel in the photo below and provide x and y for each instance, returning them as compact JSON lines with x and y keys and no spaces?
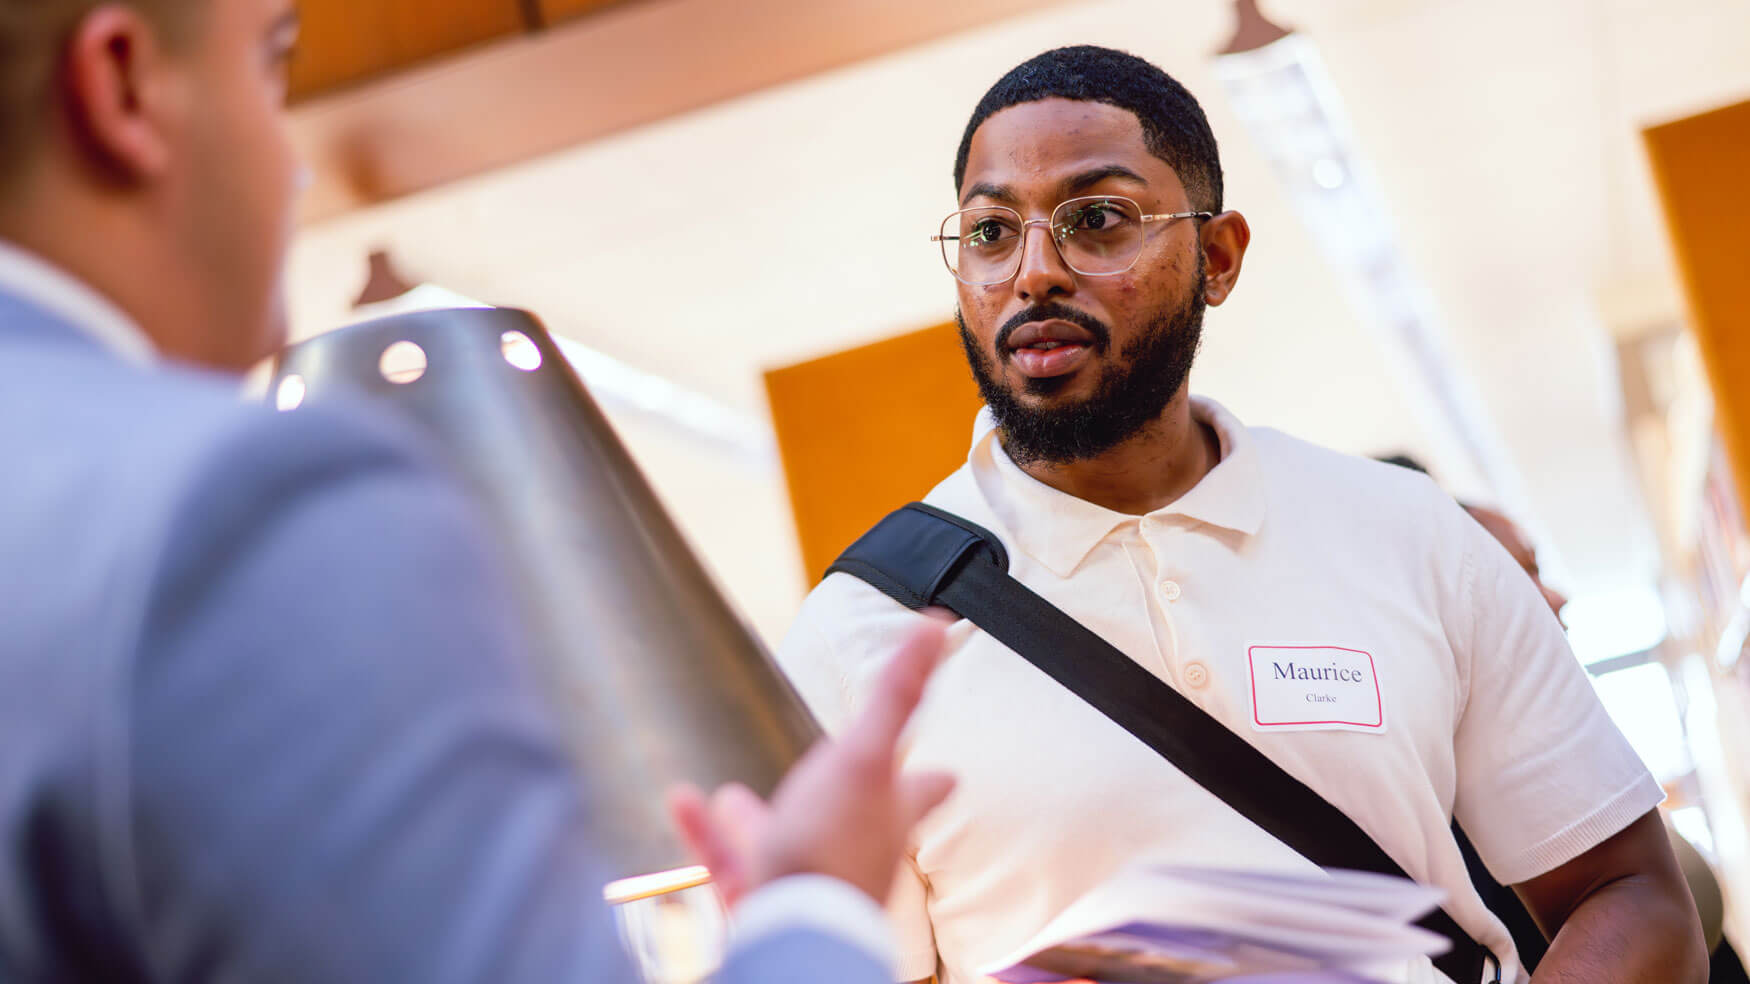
{"x":1700,"y":163}
{"x":865,"y":431}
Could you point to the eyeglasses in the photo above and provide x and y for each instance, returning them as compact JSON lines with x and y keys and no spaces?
{"x":1097,"y":236}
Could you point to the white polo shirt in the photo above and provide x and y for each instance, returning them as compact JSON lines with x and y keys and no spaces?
{"x":1407,"y":670}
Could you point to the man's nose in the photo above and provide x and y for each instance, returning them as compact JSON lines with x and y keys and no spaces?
{"x":1043,"y":272}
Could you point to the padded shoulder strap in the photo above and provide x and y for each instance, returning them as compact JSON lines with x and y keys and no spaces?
{"x":912,"y":552}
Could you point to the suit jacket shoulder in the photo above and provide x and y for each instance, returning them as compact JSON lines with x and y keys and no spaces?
{"x":124,"y":489}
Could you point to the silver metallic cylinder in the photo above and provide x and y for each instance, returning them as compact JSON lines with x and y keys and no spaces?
{"x":657,"y":677}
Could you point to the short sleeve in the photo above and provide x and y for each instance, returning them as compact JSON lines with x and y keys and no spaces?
{"x":809,"y":660}
{"x":1543,"y":775}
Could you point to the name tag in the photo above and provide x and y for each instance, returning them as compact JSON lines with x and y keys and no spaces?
{"x":1314,"y":688}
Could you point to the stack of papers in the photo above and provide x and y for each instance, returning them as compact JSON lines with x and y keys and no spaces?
{"x":1178,"y":925}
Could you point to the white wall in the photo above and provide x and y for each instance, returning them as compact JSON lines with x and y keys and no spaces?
{"x":794,"y":222}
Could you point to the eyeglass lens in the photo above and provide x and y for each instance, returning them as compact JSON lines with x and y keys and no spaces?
{"x":1094,"y":235}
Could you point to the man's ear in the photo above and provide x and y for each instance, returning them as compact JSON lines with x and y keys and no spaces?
{"x":114,"y":87}
{"x":1225,"y":238}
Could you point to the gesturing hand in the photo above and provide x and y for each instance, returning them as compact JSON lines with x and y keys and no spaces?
{"x":843,"y":810}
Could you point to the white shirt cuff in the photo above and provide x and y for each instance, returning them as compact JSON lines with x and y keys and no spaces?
{"x":820,"y":903}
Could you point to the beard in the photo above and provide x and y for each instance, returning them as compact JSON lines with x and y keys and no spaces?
{"x":1132,"y":392}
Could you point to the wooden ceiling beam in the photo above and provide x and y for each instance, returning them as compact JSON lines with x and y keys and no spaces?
{"x":342,"y":42}
{"x":554,"y":11}
{"x":628,"y":64}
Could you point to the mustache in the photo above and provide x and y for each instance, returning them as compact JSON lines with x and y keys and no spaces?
{"x":1052,"y":311}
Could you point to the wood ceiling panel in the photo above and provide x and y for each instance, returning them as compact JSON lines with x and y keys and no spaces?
{"x":631,"y":63}
{"x":553,"y":11}
{"x":344,"y":41}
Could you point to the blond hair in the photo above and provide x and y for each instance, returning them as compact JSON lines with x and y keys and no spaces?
{"x":33,"y":38}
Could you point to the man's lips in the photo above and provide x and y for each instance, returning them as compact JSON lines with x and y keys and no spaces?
{"x":1042,"y":349}
{"x":1035,"y":332}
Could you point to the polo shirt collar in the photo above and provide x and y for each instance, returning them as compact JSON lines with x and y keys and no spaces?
{"x":1059,"y":530}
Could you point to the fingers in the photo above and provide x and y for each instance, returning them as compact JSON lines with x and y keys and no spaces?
{"x":739,"y":816}
{"x":897,"y":693}
{"x":921,"y":793}
{"x":687,"y":809}
{"x":739,"y":813}
{"x":706,"y":840}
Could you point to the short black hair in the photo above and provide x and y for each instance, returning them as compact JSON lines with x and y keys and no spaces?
{"x":1173,"y":125}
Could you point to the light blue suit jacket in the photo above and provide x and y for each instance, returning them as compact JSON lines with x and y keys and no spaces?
{"x":264,"y":714}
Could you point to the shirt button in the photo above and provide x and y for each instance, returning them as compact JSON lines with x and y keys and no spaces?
{"x":1196,"y":676}
{"x":1170,"y":590}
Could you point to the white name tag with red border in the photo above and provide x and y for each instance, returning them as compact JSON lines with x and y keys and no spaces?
{"x":1314,"y":688}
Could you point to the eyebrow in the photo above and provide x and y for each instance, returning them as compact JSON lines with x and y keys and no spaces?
{"x":1079,"y":183}
{"x":1087,"y":179}
{"x":995,"y":192}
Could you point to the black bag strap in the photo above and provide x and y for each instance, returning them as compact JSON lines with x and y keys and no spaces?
{"x":922,"y":556}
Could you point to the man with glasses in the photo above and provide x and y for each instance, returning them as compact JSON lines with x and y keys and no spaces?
{"x":1089,"y":238}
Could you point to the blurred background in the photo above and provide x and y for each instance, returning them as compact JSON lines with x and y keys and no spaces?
{"x":1502,"y":236}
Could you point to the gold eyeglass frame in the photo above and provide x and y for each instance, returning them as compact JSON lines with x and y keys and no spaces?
{"x":1056,"y":242}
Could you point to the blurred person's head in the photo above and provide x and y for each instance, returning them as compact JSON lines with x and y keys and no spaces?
{"x":1402,"y":461}
{"x":1513,"y":538}
{"x":142,"y":150}
{"x":1073,"y":364}
{"x":1504,"y":530}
